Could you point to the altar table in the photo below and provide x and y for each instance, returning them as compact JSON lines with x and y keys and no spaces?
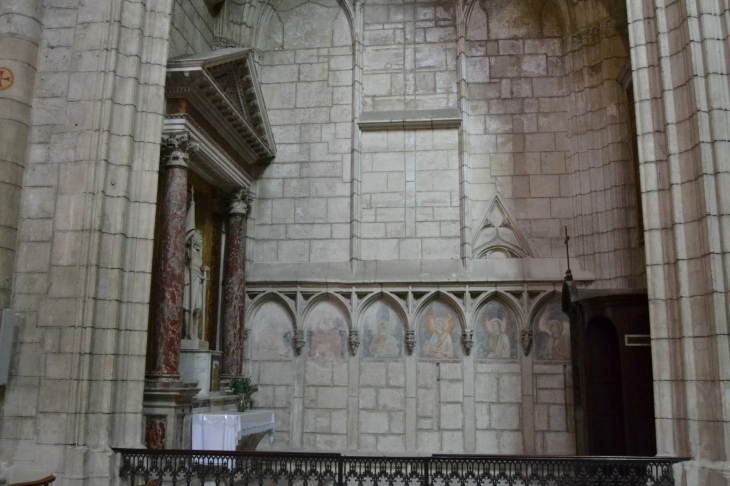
{"x":231,"y":431}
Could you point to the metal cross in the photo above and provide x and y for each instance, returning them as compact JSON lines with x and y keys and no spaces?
{"x":568,"y":273}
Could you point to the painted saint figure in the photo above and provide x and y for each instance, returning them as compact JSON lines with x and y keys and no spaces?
{"x":439,"y":345}
{"x":496,"y":333}
{"x":383,"y":344}
{"x":498,"y":344}
{"x":327,"y":340}
{"x":552,"y":333}
{"x":557,"y":346}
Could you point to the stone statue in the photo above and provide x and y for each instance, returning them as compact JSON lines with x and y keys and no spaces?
{"x":196,"y":276}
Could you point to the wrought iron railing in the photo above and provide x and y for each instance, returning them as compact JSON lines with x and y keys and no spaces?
{"x":305,"y":469}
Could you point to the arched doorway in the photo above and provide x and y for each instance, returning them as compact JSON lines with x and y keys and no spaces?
{"x":605,"y":411}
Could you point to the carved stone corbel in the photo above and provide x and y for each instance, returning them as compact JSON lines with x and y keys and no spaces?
{"x":410,"y":340}
{"x":354,"y":341}
{"x":298,"y":341}
{"x":526,"y":341}
{"x":467,"y":339}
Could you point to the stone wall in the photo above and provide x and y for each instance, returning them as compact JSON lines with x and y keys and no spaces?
{"x":192,"y":28}
{"x":518,"y":124}
{"x":303,"y":210}
{"x":440,"y":395}
{"x":20,"y":34}
{"x":85,"y":233}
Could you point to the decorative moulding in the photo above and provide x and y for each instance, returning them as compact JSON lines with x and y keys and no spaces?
{"x":220,"y":91}
{"x":410,"y":119}
{"x":211,"y":161}
{"x":498,"y":235}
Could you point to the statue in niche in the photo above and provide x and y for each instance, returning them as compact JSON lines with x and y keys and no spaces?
{"x":553,"y":333}
{"x":381,"y":338}
{"x":196,"y":277}
{"x":440,"y":344}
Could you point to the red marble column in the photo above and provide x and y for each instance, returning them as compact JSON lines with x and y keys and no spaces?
{"x":176,"y":150}
{"x":234,"y":286}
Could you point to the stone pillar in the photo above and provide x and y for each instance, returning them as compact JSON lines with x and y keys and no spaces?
{"x":171,"y":260}
{"x":234,"y":285}
{"x":167,"y":400}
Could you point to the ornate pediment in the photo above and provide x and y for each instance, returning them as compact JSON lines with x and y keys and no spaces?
{"x":498,"y":235}
{"x":219,"y":90}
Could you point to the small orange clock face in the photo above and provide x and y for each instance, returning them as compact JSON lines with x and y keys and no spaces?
{"x":6,"y":78}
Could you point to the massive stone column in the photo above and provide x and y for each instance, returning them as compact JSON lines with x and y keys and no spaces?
{"x":171,"y":260}
{"x":167,"y":400}
{"x":234,"y":285}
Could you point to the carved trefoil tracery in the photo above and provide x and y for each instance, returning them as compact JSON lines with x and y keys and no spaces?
{"x":498,"y":235}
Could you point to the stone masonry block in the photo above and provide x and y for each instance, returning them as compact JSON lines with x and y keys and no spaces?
{"x":391,"y":399}
{"x":332,"y":397}
{"x":505,"y":416}
{"x":452,"y":416}
{"x":373,"y":422}
{"x":317,"y":373}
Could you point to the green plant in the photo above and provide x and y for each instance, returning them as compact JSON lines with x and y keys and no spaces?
{"x":243,"y":386}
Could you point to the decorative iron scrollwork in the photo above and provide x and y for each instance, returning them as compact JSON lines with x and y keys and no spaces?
{"x":317,"y":469}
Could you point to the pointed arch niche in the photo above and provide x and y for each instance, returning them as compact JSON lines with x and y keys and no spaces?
{"x":496,"y":331}
{"x":272,"y":329}
{"x":439,"y":331}
{"x":326,"y":329}
{"x":383,"y":331}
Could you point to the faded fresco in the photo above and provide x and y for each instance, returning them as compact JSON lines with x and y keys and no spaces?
{"x":382,"y":332}
{"x":496,"y":332}
{"x":271,"y":332}
{"x":326,"y":332}
{"x":439,"y":333}
{"x":552,"y":333}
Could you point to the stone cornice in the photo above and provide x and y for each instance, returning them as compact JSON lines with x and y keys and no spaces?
{"x":410,"y":119}
{"x":211,"y":161}
{"x":222,"y":86}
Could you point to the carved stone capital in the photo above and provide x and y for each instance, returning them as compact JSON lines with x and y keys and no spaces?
{"x":245,"y":334}
{"x":176,"y":150}
{"x":467,"y":339}
{"x":240,"y":202}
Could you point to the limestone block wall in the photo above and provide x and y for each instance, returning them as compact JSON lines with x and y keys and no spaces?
{"x":410,"y":195}
{"x":303,"y":210}
{"x":518,"y":122}
{"x":685,"y":194}
{"x":192,"y":28}
{"x":86,"y":225}
{"x":20,"y":35}
{"x":409,"y":51}
{"x":361,"y":383}
{"x":600,"y":159}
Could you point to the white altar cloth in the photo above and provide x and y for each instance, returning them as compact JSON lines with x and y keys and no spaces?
{"x":221,"y":431}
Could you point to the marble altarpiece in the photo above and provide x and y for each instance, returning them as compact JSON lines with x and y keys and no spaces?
{"x":216,"y":139}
